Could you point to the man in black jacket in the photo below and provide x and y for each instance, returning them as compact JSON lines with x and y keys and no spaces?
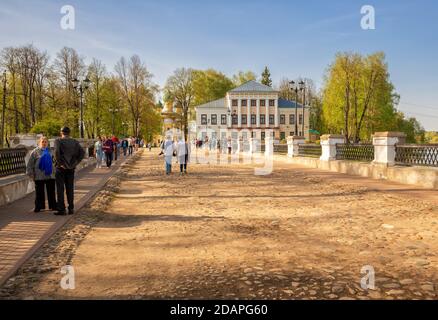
{"x":68,"y":154}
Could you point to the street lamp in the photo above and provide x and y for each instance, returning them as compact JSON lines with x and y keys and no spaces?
{"x":295,"y":88}
{"x":302,"y":85}
{"x":113,"y":111}
{"x":3,"y":109}
{"x":81,"y":86}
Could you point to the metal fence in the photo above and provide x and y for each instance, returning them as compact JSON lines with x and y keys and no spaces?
{"x":309,"y":150}
{"x":280,"y":148}
{"x":12,"y":161}
{"x":355,"y":152}
{"x":417,"y":155}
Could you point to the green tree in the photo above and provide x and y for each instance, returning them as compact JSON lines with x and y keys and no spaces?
{"x":209,"y":85}
{"x":266,"y":77}
{"x":243,"y":77}
{"x":49,"y":127}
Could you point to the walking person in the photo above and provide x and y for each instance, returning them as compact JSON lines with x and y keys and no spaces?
{"x":68,"y":154}
{"x":108,"y":149}
{"x":98,"y":152}
{"x":116,"y":147}
{"x":229,"y":145}
{"x":183,"y":154}
{"x":130,"y":145}
{"x":125,"y":147}
{"x":41,"y":169}
{"x":168,"y":149}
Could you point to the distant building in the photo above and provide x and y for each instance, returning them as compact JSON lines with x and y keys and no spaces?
{"x":252,"y":110}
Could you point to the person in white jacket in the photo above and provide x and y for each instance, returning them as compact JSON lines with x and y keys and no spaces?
{"x":183,"y":154}
{"x":168,"y":149}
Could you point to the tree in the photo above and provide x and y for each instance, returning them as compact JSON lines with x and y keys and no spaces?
{"x":243,"y":77}
{"x":210,"y":85}
{"x":179,"y":87}
{"x":266,"y":77}
{"x":95,"y":98}
{"x":137,"y":87}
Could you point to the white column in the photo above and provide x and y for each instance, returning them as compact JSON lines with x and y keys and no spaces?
{"x":293,"y":143}
{"x":328,"y":144}
{"x":267,"y":113}
{"x":384,"y":146}
{"x":258,"y":113}
{"x":239,"y":113}
{"x":248,"y":117}
{"x":276,"y":114}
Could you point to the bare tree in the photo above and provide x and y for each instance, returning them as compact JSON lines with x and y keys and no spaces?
{"x":179,"y":87}
{"x":137,"y":87}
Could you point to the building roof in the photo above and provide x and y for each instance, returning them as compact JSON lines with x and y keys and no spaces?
{"x":220,"y":103}
{"x":252,"y":86}
{"x":284,"y":104}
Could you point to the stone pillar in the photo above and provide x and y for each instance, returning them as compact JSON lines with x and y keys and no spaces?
{"x":267,"y":113}
{"x":384,"y":146}
{"x":258,"y":113}
{"x":293,"y":143}
{"x":248,"y":113}
{"x":276,"y":114}
{"x":239,"y":113}
{"x":328,"y":143}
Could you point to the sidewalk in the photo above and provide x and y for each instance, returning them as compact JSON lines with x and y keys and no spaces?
{"x":23,"y":232}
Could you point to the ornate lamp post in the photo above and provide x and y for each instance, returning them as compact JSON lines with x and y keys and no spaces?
{"x":113,"y":112}
{"x":2,"y":141}
{"x":81,"y":86}
{"x":295,"y":88}
{"x":302,"y":85}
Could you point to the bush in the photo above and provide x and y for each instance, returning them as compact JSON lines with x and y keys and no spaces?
{"x":47,"y":127}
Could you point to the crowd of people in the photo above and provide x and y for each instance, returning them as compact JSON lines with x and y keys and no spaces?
{"x":53,"y":171}
{"x":223,"y":145}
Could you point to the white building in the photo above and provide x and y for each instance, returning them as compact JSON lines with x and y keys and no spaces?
{"x":252,"y":110}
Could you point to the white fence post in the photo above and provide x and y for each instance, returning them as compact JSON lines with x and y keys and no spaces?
{"x":384,"y":146}
{"x":293,"y":143}
{"x":328,"y":146}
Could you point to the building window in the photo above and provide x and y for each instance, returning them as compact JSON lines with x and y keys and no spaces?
{"x":204,"y":119}
{"x":282,"y":119}
{"x":235,"y":119}
{"x":292,"y":119}
{"x":263,"y":135}
{"x":223,"y":119}
{"x":262,"y":119}
{"x":253,"y":103}
{"x":235,"y":102}
{"x":244,"y":119}
{"x":301,"y":119}
{"x":292,"y":134}
{"x":244,"y":103}
{"x":271,"y":119}
{"x":214,"y":119}
{"x":282,"y":135}
{"x":272,"y":103}
{"x":253,"y":134}
{"x":253,"y":119}
{"x":262,"y":103}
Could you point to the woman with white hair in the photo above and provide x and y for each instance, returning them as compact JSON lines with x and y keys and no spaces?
{"x":168,"y":150}
{"x":183,"y":155}
{"x":40,"y":168}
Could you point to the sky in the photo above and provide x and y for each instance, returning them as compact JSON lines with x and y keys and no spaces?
{"x":293,"y":38}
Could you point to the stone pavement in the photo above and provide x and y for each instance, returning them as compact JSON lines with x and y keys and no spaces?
{"x":22,"y":231}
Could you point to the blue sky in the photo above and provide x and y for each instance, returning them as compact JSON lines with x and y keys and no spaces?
{"x":293,"y":38}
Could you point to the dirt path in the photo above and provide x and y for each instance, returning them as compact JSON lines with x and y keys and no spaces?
{"x":222,"y":232}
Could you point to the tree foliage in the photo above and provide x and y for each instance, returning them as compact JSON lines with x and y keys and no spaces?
{"x":266,"y":77}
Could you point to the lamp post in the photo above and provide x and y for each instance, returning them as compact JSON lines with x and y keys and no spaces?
{"x":302,"y":85}
{"x":81,"y":86}
{"x":113,"y":111}
{"x":295,"y":88}
{"x":2,"y":141}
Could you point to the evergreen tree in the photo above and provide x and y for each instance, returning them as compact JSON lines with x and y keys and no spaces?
{"x":266,"y":77}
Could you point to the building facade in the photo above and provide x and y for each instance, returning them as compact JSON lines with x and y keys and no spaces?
{"x":252,"y":110}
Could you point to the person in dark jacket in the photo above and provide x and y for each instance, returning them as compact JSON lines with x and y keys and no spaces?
{"x":41,"y":169}
{"x":108,"y":148}
{"x":68,"y":154}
